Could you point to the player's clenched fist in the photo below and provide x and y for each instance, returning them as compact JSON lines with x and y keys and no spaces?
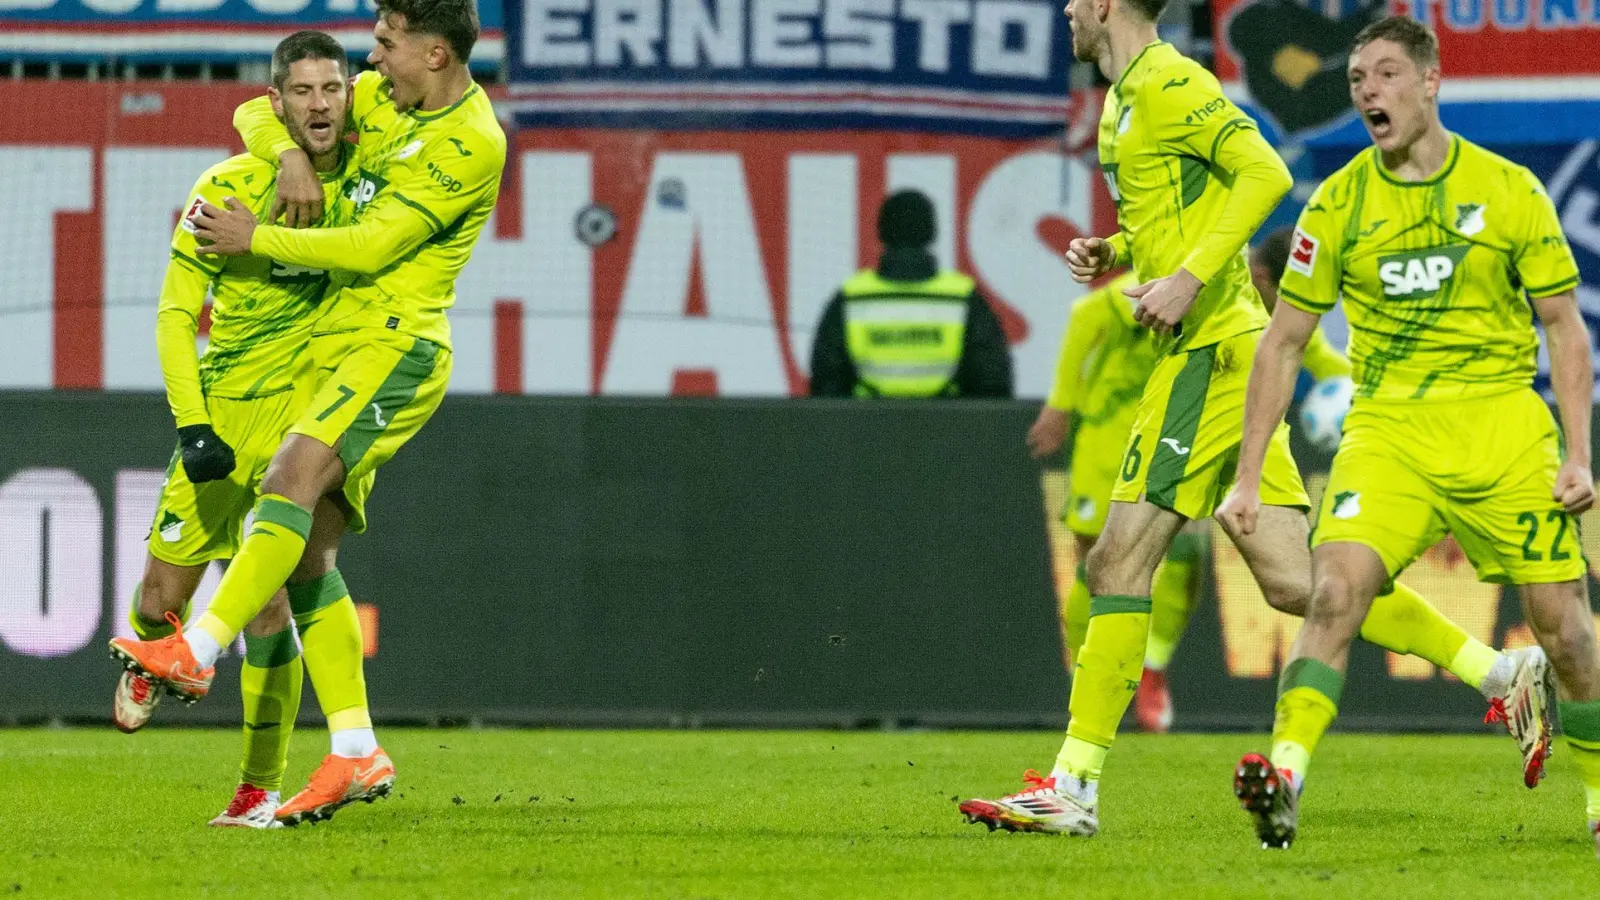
{"x":1238,"y":511}
{"x":1089,"y":258}
{"x":206,"y":456}
{"x":1574,"y":488}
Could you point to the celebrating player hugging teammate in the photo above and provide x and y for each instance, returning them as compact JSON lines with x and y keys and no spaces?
{"x":428,"y":173}
{"x":1438,"y":248}
{"x":1193,"y":179}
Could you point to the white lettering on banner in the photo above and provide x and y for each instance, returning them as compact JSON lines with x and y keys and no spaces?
{"x":54,"y":180}
{"x":9,"y":5}
{"x":712,"y":225}
{"x":112,"y":7}
{"x":631,"y":24}
{"x":145,"y":190}
{"x":279,"y":7}
{"x":781,"y":35}
{"x":863,"y":32}
{"x":995,"y":21}
{"x":552,"y":33}
{"x":188,"y":6}
{"x":1007,"y":253}
{"x":50,"y":552}
{"x":934,"y":18}
{"x":547,"y":270}
{"x":822,"y":240}
{"x":699,"y":37}
{"x":1008,"y":38}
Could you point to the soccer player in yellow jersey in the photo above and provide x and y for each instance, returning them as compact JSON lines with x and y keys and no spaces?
{"x":1193,"y":179}
{"x":1105,"y":359}
{"x":1444,"y":253}
{"x":430,"y":158}
{"x":233,"y":407}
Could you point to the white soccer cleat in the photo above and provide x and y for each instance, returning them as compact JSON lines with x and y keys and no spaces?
{"x":1040,"y":808}
{"x":135,"y":701}
{"x":1525,"y":709}
{"x":252,"y":807}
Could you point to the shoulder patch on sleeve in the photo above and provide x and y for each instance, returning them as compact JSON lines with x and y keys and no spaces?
{"x":190,"y":214}
{"x":1302,"y":252}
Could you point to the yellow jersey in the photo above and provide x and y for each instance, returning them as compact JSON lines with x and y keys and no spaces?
{"x":1192,"y":179}
{"x":427,"y":182}
{"x":261,"y":309}
{"x":1436,"y":275}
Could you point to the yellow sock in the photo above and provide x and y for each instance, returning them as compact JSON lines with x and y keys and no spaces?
{"x":1404,"y":622}
{"x":149,"y":631}
{"x":1103,"y":681}
{"x":1075,"y":618}
{"x":1580,"y":721}
{"x":1308,"y":701}
{"x":264,"y":563}
{"x":270,"y":682}
{"x":1171,"y":602}
{"x":330,"y":630}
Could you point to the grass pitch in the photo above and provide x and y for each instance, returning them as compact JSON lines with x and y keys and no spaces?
{"x":91,"y":813}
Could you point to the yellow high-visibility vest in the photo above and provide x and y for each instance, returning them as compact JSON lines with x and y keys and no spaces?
{"x":905,"y":337}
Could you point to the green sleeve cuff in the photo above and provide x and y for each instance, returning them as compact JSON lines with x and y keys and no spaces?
{"x":1301,"y":303}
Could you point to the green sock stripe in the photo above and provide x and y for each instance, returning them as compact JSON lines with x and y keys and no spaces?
{"x":1118,"y":603}
{"x":285,"y":514}
{"x":271,"y":651}
{"x":1581,"y":744}
{"x":1314,"y":674}
{"x":318,"y":593}
{"x":1581,"y":719}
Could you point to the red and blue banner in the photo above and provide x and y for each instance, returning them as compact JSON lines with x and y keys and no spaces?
{"x":992,"y":67}
{"x":195,"y":30}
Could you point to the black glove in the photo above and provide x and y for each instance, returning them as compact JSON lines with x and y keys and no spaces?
{"x":206,"y":456}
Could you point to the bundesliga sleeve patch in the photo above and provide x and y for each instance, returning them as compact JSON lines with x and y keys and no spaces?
{"x":1302,"y":253}
{"x":187,"y":224}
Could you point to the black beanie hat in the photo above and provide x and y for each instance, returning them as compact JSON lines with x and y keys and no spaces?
{"x":906,"y":220}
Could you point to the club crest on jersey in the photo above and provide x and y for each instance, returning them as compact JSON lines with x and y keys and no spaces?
{"x":187,"y":222}
{"x":1302,"y":253}
{"x":1347,"y":504}
{"x":1418,"y":273}
{"x":1469,"y":218}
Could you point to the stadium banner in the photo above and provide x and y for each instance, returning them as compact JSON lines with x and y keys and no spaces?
{"x":195,"y":30}
{"x":991,"y":67}
{"x":1515,"y":71}
{"x":618,"y":261}
{"x":680,"y":562}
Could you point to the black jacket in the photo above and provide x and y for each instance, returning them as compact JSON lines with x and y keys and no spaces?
{"x":985,"y":367}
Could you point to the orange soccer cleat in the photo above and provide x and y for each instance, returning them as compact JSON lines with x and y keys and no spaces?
{"x":338,"y":782}
{"x":167,"y":661}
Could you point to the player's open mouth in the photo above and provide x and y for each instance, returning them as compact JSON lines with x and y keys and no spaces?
{"x":1377,"y":122}
{"x":320,"y":129}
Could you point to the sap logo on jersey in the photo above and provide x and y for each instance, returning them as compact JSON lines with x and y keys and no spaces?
{"x":718,"y":38}
{"x":1418,"y":273}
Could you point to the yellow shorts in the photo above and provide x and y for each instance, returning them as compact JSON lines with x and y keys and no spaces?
{"x":375,"y":389}
{"x":1481,"y":469}
{"x":1096,"y":460}
{"x":1184,"y":449}
{"x":196,"y":523}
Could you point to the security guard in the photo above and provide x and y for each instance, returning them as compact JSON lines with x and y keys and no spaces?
{"x":907,"y":329}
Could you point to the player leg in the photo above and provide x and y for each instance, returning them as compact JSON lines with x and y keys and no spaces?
{"x":1561,"y":619}
{"x":1075,"y":615}
{"x":270,"y":682}
{"x":165,"y":588}
{"x":1172,"y":598}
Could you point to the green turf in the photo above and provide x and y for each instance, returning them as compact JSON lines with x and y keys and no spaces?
{"x":91,"y":813}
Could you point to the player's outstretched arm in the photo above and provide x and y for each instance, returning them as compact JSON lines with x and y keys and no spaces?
{"x":1572,"y":378}
{"x":298,"y":197}
{"x":1272,"y":376}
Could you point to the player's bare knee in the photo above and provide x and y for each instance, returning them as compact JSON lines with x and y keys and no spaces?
{"x":1107,"y":570}
{"x":1333,"y":600}
{"x":1293,"y":598}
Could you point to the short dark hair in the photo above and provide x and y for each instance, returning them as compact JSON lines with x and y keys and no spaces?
{"x":1417,"y":39}
{"x":906,"y":220}
{"x":1273,"y":251}
{"x":305,"y":45}
{"x":1150,"y":9}
{"x":454,"y":20}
